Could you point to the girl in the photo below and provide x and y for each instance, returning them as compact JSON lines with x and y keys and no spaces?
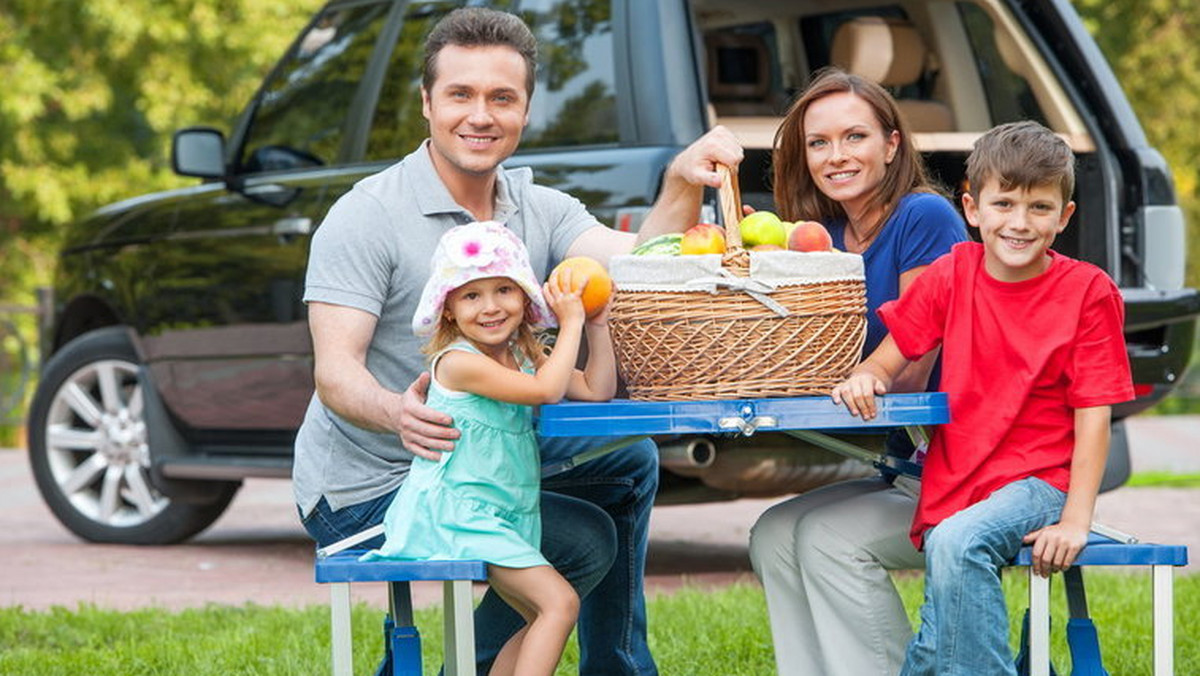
{"x":479,"y":309}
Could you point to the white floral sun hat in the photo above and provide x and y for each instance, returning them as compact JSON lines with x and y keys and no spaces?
{"x":477,"y":251}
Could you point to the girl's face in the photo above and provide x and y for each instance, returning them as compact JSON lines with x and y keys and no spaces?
{"x":487,"y":311}
{"x":846,"y":149}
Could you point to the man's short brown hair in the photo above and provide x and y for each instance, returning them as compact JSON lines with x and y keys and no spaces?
{"x":480,"y":27}
{"x":1022,"y":155}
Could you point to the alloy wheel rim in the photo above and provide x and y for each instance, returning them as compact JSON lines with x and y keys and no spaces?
{"x":96,"y":445}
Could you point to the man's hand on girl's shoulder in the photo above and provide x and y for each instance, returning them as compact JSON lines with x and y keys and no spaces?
{"x":424,"y":431}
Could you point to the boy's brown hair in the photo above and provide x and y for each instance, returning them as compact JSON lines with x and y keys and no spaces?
{"x":1021,"y":155}
{"x":480,"y":27}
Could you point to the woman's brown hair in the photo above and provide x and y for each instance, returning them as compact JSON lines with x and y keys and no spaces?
{"x":796,"y":194}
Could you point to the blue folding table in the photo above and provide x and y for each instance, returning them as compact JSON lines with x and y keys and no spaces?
{"x":807,"y":418}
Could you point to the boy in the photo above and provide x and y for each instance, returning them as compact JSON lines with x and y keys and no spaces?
{"x":1033,"y":356}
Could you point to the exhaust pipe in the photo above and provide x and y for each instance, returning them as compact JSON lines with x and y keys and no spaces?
{"x":693,"y":454}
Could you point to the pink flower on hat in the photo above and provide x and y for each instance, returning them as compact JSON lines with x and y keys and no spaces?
{"x":469,"y":250}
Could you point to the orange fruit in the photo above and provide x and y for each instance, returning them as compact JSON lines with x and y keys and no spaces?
{"x":599,"y":285}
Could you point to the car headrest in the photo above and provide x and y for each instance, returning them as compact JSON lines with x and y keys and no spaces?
{"x":888,"y":51}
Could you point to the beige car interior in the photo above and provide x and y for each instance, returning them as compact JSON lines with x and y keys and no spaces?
{"x":929,"y":52}
{"x":892,"y":53}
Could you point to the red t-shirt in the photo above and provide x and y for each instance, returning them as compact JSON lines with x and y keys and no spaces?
{"x":1017,"y":360}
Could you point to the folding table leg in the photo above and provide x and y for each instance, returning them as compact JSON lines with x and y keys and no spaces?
{"x":1039,"y":624}
{"x":1164,"y":620}
{"x":459,"y":628}
{"x":339,"y":610}
{"x":403,"y":654}
{"x":1082,"y":638}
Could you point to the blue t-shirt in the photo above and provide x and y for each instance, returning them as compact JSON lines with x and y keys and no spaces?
{"x":922,"y":228}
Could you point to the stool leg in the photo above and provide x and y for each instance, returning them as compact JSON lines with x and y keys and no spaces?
{"x":1164,"y":620}
{"x":339,"y":611}
{"x":459,"y":628}
{"x":1039,"y":624}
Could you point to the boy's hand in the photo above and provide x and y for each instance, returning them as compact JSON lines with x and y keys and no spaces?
{"x":858,"y":392}
{"x":1055,"y":547}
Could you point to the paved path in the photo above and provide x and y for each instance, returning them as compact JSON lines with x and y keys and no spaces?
{"x":258,"y":553}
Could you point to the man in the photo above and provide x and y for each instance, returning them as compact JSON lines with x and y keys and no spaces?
{"x":368,"y":263}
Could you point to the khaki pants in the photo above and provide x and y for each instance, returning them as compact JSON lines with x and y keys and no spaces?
{"x":822,"y":558}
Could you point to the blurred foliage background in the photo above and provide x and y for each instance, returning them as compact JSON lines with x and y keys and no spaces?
{"x":93,"y":89}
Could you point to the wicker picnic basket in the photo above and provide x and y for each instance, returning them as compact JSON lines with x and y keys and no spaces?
{"x":741,"y":325}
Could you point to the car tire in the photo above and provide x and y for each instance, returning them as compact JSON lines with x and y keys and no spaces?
{"x":89,"y":452}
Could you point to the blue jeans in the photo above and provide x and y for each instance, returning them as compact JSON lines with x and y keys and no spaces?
{"x":964,"y":621}
{"x":595,"y":530}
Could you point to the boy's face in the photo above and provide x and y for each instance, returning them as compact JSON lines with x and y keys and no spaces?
{"x":1017,"y":227}
{"x":477,"y":108}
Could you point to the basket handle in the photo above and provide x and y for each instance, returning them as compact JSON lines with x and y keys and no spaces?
{"x":731,"y":206}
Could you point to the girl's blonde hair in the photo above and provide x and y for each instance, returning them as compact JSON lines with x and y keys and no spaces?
{"x":529,"y":344}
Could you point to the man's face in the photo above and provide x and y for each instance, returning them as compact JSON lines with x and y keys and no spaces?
{"x":1017,"y":227}
{"x":477,"y":108}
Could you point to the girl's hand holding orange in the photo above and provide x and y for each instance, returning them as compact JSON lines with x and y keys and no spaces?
{"x":588,"y":278}
{"x":564,"y":302}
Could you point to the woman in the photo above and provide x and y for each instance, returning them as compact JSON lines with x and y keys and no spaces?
{"x":844,"y":156}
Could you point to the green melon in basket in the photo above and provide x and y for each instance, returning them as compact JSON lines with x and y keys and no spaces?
{"x":663,"y":245}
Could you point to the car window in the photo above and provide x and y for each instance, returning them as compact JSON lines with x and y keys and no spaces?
{"x":398,"y":126}
{"x":573,"y":104}
{"x":1008,"y":94}
{"x":301,"y":113}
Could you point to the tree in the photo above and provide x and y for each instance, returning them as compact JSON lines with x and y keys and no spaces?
{"x":1149,"y":45}
{"x":93,"y":90}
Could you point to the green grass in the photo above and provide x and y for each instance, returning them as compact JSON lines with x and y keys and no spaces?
{"x":1163,"y":480}
{"x":692,"y":632}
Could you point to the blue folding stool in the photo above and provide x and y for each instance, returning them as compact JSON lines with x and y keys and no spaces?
{"x":402,"y":652}
{"x":1082,"y":639}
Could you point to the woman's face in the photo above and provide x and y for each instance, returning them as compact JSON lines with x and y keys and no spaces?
{"x":847,"y":149}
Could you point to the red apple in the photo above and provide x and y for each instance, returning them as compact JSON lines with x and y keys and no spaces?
{"x":810,"y":236}
{"x":704,"y":238}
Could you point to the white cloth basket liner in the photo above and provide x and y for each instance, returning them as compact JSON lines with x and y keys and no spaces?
{"x":769,"y":270}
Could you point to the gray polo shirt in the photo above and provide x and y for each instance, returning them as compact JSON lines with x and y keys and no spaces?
{"x":372,"y":252}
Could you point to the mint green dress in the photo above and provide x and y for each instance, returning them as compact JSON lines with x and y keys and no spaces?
{"x":481,"y":500}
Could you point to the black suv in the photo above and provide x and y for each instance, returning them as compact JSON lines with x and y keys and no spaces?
{"x":178,"y":357}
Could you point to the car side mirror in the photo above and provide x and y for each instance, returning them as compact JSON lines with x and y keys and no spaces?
{"x":198,"y":151}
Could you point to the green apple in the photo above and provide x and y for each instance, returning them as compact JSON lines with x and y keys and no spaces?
{"x":762,"y":227}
